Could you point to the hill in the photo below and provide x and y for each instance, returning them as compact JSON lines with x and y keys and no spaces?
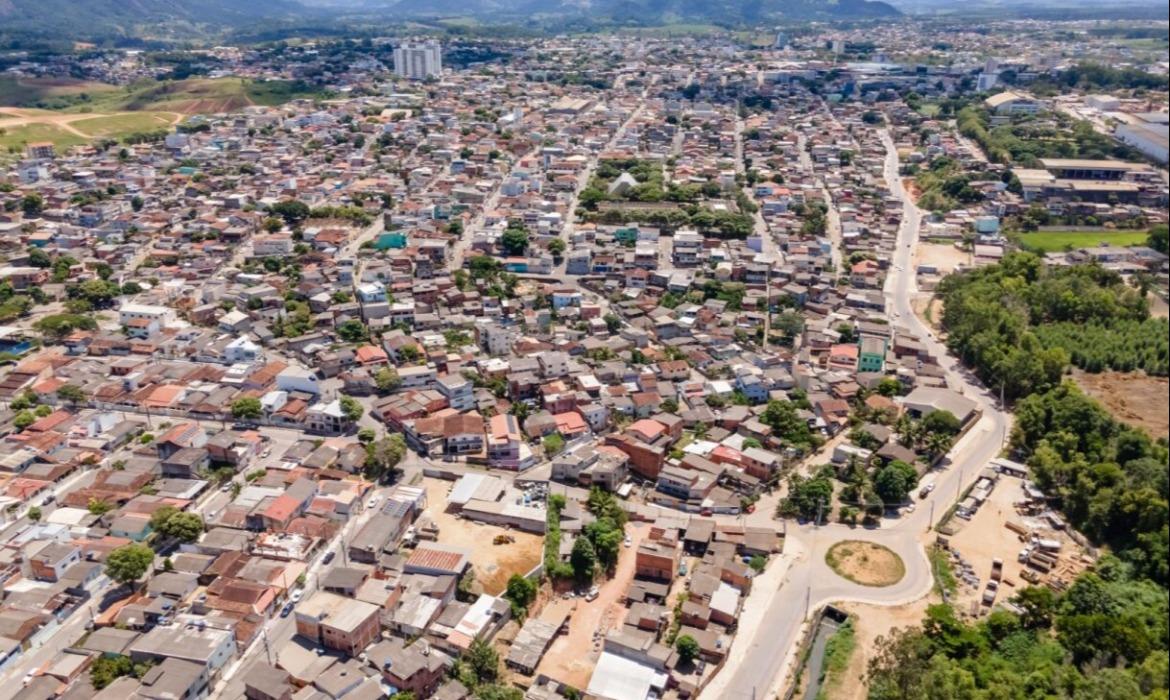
{"x":645,"y":12}
{"x":56,"y":19}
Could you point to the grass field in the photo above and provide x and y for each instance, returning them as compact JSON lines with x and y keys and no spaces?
{"x":190,"y":96}
{"x":1055,"y":241}
{"x":48,"y":93}
{"x":14,"y":139}
{"x":118,"y":125}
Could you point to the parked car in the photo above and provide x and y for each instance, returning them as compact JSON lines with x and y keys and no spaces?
{"x":328,"y":557}
{"x":296,"y":595}
{"x":286,"y":610}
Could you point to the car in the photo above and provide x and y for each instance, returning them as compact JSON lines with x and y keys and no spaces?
{"x":328,"y":557}
{"x":628,"y":542}
{"x":226,"y":487}
{"x":267,"y":451}
{"x":372,"y":503}
{"x":296,"y":595}
{"x":592,"y":594}
{"x":288,"y":608}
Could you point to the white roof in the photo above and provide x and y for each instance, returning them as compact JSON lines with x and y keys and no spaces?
{"x":618,"y":678}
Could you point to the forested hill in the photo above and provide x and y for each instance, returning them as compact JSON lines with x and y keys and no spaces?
{"x":79,"y":19}
{"x":1020,"y":323}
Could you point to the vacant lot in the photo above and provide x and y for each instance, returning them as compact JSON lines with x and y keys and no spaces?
{"x":118,"y":125}
{"x":866,"y":563}
{"x":48,"y":93}
{"x":944,"y":256}
{"x":494,"y":564}
{"x":1054,"y":241}
{"x":15,"y":138}
{"x":1132,"y":397}
{"x":572,"y":656}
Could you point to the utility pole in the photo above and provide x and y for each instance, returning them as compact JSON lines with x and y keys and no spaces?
{"x":267,"y":649}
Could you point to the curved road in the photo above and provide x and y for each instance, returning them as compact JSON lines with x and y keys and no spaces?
{"x":800,"y":582}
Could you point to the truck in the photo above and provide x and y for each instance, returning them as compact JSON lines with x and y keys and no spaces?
{"x":990,"y":592}
{"x":997,"y":569}
{"x":925,"y":488}
{"x":1049,"y":545}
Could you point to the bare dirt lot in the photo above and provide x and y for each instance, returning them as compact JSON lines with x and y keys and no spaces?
{"x":571,"y":657}
{"x":494,"y":564}
{"x":869,"y":623}
{"x":929,"y":308}
{"x":985,"y":538}
{"x":1131,"y":397}
{"x":866,"y":563}
{"x":944,"y":256}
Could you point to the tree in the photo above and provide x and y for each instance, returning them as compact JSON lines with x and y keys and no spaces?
{"x":353,"y":331}
{"x":382,"y":456}
{"x":366,"y":435}
{"x":553,"y":444}
{"x":185,"y":527}
{"x":32,"y":204}
{"x":98,"y":506}
{"x":34,"y":514}
{"x":351,"y":409}
{"x":613,"y":322}
{"x":128,"y":563}
{"x":687,"y":648}
{"x":583,"y":559}
{"x":514,"y":241}
{"x":387,"y":380}
{"x":292,"y":211}
{"x":71,"y":393}
{"x":1037,"y":605}
{"x":943,"y":422}
{"x":498,"y":691}
{"x":23,"y":420}
{"x":247,"y":408}
{"x":483,"y":661}
{"x":557,"y":247}
{"x":894,"y":482}
{"x":521,"y":591}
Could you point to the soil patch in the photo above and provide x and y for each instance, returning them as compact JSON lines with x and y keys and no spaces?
{"x":866,"y":563}
{"x":1131,"y":397}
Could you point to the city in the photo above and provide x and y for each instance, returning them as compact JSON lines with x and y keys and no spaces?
{"x":825,"y":359}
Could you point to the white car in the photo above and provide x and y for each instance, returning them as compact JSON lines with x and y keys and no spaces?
{"x":372,"y":503}
{"x":628,"y":542}
{"x":296,"y":595}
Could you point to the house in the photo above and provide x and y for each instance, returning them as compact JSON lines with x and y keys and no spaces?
{"x":414,"y":668}
{"x":656,"y":561}
{"x":335,"y":622}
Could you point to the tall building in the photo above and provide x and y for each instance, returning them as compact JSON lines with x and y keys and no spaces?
{"x":418,"y":61}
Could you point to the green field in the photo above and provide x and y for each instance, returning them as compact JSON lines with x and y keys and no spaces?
{"x":49,"y":93}
{"x":1055,"y":241}
{"x":190,"y":96}
{"x":14,"y":139}
{"x":118,"y":125}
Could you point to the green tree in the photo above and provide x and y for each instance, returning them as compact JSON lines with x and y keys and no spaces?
{"x":557,"y":247}
{"x":514,"y":241}
{"x":128,"y":563}
{"x":521,"y":591}
{"x":483,"y":661}
{"x":23,"y":420}
{"x":687,"y":648}
{"x":32,"y":204}
{"x":383,"y":456}
{"x":894,"y":481}
{"x":71,"y":393}
{"x":387,"y":380}
{"x":353,"y":331}
{"x":553,"y":444}
{"x":247,"y":408}
{"x":366,"y":435}
{"x":351,"y":409}
{"x":583,"y":559}
{"x":34,"y":514}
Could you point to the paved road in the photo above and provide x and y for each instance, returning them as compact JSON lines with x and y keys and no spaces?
{"x":776,"y":613}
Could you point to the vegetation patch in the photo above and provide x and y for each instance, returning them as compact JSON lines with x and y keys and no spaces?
{"x":838,"y":651}
{"x":1055,"y":241}
{"x":865,"y":563}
